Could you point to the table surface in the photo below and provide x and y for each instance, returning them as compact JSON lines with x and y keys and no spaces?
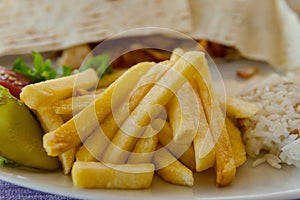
{"x":10,"y":191}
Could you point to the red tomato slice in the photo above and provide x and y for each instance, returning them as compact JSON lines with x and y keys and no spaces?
{"x":13,"y":81}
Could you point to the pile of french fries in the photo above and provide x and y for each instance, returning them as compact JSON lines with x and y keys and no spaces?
{"x":154,"y":117}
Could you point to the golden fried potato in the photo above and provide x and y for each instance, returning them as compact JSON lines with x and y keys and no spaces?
{"x":184,"y":152}
{"x":236,"y":142}
{"x":73,"y":105}
{"x":48,"y":92}
{"x":203,"y":141}
{"x":239,"y":108}
{"x":50,"y":121}
{"x":184,"y":118}
{"x":48,"y":118}
{"x":176,"y":54}
{"x":67,"y":159}
{"x":98,"y":175}
{"x":144,"y":148}
{"x":171,"y":170}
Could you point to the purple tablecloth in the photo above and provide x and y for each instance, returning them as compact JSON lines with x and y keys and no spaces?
{"x":10,"y":191}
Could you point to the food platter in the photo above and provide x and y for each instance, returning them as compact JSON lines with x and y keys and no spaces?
{"x":262,"y":182}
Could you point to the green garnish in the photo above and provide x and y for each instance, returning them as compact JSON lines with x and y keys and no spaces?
{"x":4,"y":161}
{"x":99,"y":63}
{"x":41,"y":70}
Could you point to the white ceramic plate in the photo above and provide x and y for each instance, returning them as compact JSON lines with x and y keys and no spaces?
{"x":262,"y":182}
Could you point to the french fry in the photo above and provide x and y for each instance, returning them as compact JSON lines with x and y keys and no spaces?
{"x":67,"y":159}
{"x":73,"y":105}
{"x":176,"y":54}
{"x":203,"y":141}
{"x":98,"y":175}
{"x":47,"y":92}
{"x":183,"y":112}
{"x":236,"y":142}
{"x":50,"y":121}
{"x":225,"y":164}
{"x":239,"y":108}
{"x":171,"y":170}
{"x":108,"y":79}
{"x":71,"y":133}
{"x":146,"y":83}
{"x":144,"y":148}
{"x":83,"y":154}
{"x":184,"y":152}
{"x":48,"y":118}
{"x":160,"y":94}
{"x":93,"y":150}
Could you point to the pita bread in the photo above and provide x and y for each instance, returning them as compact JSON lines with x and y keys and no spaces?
{"x":268,"y":32}
{"x":43,"y":25}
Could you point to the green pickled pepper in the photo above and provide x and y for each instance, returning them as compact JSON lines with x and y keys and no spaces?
{"x":21,"y":135}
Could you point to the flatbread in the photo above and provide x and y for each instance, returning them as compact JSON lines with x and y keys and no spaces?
{"x":260,"y":30}
{"x":44,"y":25}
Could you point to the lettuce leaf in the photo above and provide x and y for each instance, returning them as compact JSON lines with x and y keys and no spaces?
{"x":41,"y":70}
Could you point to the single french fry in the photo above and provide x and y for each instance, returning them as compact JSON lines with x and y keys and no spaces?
{"x":176,"y":54}
{"x":225,"y":164}
{"x":108,"y":79}
{"x":171,"y":170}
{"x":48,"y":118}
{"x":98,"y":175}
{"x":239,"y":108}
{"x":50,"y":121}
{"x":184,"y":152}
{"x":71,"y":133}
{"x":144,"y":148}
{"x":203,"y":142}
{"x":67,"y":159}
{"x":160,"y":94}
{"x":73,"y":105}
{"x":183,"y":113}
{"x":47,"y":92}
{"x":83,"y":154}
{"x":236,"y":142}
{"x":145,"y":84}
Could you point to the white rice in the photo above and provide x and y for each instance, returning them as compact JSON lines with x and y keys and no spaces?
{"x":268,"y":133}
